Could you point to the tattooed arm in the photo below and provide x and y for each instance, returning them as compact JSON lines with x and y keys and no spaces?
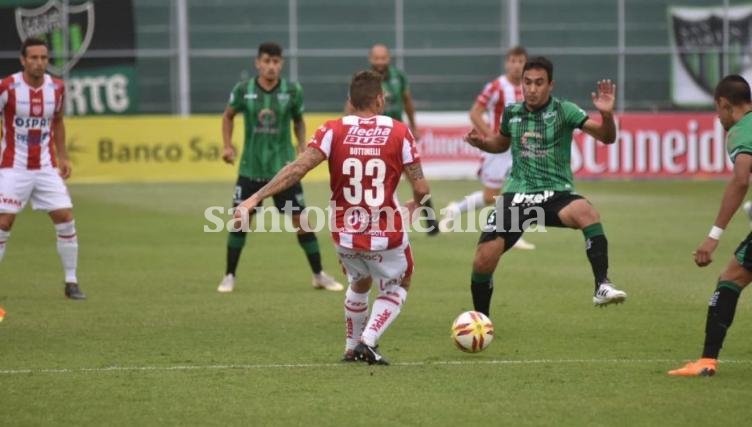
{"x":285,"y":178}
{"x":414,"y":174}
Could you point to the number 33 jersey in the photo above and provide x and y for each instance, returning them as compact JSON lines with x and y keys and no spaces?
{"x":366,"y":158}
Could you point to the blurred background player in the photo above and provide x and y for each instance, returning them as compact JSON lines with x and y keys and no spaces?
{"x":33,"y":159}
{"x":399,"y":100}
{"x":367,"y":153}
{"x":268,"y":103}
{"x":733,"y":103}
{"x":539,"y":131}
{"x":486,"y":116}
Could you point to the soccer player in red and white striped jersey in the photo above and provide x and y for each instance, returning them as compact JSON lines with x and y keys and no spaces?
{"x":486,"y":117}
{"x":33,"y":160}
{"x":367,"y":153}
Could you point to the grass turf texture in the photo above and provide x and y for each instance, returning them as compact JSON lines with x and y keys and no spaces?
{"x":155,"y":344}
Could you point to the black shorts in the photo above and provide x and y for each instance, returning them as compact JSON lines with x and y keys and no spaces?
{"x":245,"y":187}
{"x":515,"y":211}
{"x":743,"y":253}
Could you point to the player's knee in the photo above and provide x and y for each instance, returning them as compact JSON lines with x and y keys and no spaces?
{"x":737,"y":273}
{"x":483,"y":263}
{"x":61,"y":216}
{"x":406,"y":281}
{"x":489,"y":196}
{"x":581,"y":214}
{"x":6,"y":221}
{"x":300,"y":222}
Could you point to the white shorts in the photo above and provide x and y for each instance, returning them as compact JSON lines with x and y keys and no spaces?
{"x":387,"y":268}
{"x":495,"y":169}
{"x":44,"y":187}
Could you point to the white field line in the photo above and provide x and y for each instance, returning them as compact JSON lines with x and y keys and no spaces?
{"x":263,"y":366}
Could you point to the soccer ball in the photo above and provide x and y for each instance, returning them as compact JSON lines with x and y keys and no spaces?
{"x":472,"y":331}
{"x":2,"y":314}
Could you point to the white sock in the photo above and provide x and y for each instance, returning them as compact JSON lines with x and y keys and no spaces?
{"x":4,"y":236}
{"x":356,"y":314}
{"x":471,"y":202}
{"x":386,"y":308}
{"x":67,"y":248}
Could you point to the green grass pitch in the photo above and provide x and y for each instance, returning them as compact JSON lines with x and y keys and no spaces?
{"x":155,"y":344}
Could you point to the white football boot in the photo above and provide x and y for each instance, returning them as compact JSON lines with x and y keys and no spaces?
{"x":325,"y":281}
{"x":524,"y":245}
{"x":227,"y":284}
{"x":607,"y":294}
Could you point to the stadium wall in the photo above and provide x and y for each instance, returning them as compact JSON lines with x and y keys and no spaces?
{"x":168,"y":148}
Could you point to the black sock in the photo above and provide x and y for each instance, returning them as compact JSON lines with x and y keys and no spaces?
{"x":431,"y":221}
{"x":596,"y":247}
{"x":720,"y":316}
{"x":310,"y":246}
{"x":235,"y":243}
{"x":481,"y":287}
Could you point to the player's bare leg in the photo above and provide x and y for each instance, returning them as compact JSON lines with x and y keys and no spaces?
{"x":6,"y":223}
{"x":580,"y":214}
{"x":67,"y":248}
{"x":310,"y":245}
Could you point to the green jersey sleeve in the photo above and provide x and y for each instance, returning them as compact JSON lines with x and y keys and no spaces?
{"x":297,"y":101}
{"x":738,"y":142}
{"x":237,"y":97}
{"x":574,"y":116}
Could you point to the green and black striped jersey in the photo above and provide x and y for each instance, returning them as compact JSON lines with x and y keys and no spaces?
{"x":739,"y":137}
{"x":394,"y":87}
{"x":541,"y":145}
{"x":268,"y":135}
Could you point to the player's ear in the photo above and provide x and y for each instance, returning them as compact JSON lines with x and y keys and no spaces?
{"x":724,"y":104}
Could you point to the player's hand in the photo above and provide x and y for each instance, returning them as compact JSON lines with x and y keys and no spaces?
{"x":604,"y":98}
{"x":64,"y":168}
{"x":229,"y":155}
{"x":411,"y":208}
{"x":704,"y":253}
{"x":416,"y":134}
{"x":475,"y":138}
{"x":246,"y":206}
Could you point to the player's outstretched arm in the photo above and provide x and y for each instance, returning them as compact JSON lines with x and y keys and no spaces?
{"x":604,"y":100}
{"x":284,"y":179}
{"x":733,"y":196}
{"x":492,"y":144}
